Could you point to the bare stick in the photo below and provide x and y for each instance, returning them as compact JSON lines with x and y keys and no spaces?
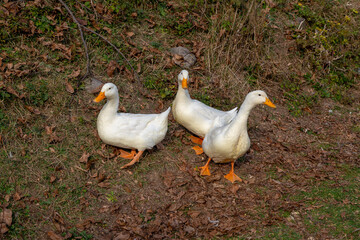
{"x":103,"y":38}
{"x":88,"y":71}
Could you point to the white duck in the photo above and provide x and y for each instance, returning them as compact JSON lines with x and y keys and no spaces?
{"x":126,"y":130}
{"x":226,"y":143}
{"x":194,"y":115}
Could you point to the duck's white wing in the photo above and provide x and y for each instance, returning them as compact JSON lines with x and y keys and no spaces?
{"x":209,"y":113}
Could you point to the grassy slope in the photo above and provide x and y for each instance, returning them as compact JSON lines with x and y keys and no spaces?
{"x":45,"y":129}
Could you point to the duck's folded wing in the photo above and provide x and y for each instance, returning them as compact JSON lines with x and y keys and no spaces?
{"x":133,"y":123}
{"x":210,"y":113}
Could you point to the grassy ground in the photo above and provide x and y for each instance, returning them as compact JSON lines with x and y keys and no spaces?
{"x":301,"y":175}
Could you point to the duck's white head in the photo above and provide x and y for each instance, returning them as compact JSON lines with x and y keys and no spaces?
{"x":183,"y":78}
{"x":109,"y":90}
{"x":259,"y":97}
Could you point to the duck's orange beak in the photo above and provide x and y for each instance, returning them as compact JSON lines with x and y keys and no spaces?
{"x":100,"y":97}
{"x":184,"y":83}
{"x":269,"y":103}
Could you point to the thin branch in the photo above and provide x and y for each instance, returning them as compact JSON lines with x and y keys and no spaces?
{"x":88,"y":71}
{"x":80,"y":26}
{"x":103,"y":38}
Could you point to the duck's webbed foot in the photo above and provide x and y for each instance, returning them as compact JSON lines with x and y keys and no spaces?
{"x":127,"y":155}
{"x":231,"y":176}
{"x":205,"y":169}
{"x":134,"y":160}
{"x":198,"y":150}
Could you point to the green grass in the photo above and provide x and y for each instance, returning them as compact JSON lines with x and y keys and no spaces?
{"x":281,"y":232}
{"x":332,"y":206}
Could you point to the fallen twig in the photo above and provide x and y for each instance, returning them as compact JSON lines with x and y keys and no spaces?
{"x":88,"y":68}
{"x":103,"y":38}
{"x":88,"y":71}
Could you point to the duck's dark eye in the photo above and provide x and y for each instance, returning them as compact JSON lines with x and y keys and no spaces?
{"x":259,"y":94}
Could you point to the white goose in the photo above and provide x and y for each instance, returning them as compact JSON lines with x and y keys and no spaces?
{"x":194,"y":115}
{"x":126,"y":130}
{"x":226,"y":143}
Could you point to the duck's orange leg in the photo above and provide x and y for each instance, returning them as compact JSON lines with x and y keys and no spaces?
{"x":134,"y":160}
{"x":196,"y":140}
{"x":127,"y":155}
{"x":231,"y":176}
{"x":198,"y":150}
{"x":205,"y":169}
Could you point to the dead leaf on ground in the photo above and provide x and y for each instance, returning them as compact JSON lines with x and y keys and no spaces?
{"x":130,"y":34}
{"x":84,"y":158}
{"x":69,"y":88}
{"x":6,"y":216}
{"x":85,"y":224}
{"x":104,"y":184}
{"x":3,"y":228}
{"x":54,"y":236}
{"x":17,"y":196}
{"x":112,"y":67}
{"x":75,"y":73}
{"x":9,"y":89}
{"x":49,"y":130}
{"x":107,"y":29}
{"x":32,"y":110}
{"x":52,"y":178}
{"x":122,"y":236}
{"x":151,"y":23}
{"x":234,"y":188}
{"x":127,"y":189}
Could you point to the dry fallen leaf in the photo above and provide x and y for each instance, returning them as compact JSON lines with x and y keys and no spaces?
{"x":6,"y":216}
{"x":84,"y":158}
{"x":138,"y":70}
{"x":52,"y":178}
{"x":3,"y":228}
{"x":127,"y":189}
{"x":85,"y":224}
{"x":107,"y":29}
{"x":75,"y":73}
{"x":122,"y":236}
{"x":16,"y":196}
{"x":112,"y":67}
{"x":54,"y":236}
{"x":49,"y":130}
{"x":9,"y":89}
{"x":33,"y":110}
{"x":130,"y":34}
{"x":69,"y":88}
{"x":104,"y":184}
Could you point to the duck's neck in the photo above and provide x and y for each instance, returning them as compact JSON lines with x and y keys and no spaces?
{"x":111,"y":106}
{"x":239,"y":125}
{"x":182,"y":93}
